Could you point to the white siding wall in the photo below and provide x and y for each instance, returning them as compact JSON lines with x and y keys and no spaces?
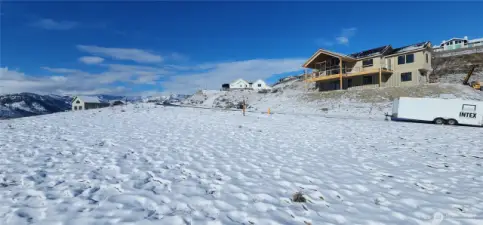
{"x":77,"y":106}
{"x":240,"y":84}
{"x":476,"y":44}
{"x":260,"y":85}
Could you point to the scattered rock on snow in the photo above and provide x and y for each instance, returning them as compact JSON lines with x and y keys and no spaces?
{"x":298,"y":197}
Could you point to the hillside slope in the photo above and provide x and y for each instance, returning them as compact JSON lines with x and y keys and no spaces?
{"x":454,"y":69}
{"x":295,"y":97}
{"x":29,"y":104}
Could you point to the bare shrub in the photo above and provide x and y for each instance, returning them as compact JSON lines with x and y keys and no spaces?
{"x":298,"y":197}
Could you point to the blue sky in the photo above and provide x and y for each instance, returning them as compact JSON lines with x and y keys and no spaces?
{"x":153,"y":48}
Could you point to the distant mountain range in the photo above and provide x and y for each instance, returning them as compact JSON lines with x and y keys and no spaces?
{"x":30,"y":104}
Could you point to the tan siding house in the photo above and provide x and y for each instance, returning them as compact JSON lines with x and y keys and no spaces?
{"x":379,"y":67}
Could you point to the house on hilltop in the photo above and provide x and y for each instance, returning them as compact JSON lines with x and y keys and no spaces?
{"x":87,"y":102}
{"x":242,"y":84}
{"x":383,"y":66}
{"x":239,"y":84}
{"x":260,"y":85}
{"x":458,"y":43}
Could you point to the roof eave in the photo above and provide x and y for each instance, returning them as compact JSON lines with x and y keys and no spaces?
{"x":320,"y":51}
{"x":369,"y":57}
{"x":410,"y":51}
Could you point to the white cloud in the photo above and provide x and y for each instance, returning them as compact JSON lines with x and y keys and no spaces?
{"x":91,"y":59}
{"x":136,"y":73}
{"x":133,"y":54}
{"x":50,"y":24}
{"x":213,"y":75}
{"x":173,"y":79}
{"x":345,"y":35}
{"x":13,"y":81}
{"x":343,"y":38}
{"x":79,"y":82}
{"x":60,"y":70}
{"x":178,"y":56}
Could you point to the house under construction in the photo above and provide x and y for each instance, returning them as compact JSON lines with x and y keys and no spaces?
{"x":379,"y":67}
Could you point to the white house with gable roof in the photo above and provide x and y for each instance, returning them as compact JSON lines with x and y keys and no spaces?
{"x":260,"y":85}
{"x":87,"y":102}
{"x":243,"y":84}
{"x":239,"y":84}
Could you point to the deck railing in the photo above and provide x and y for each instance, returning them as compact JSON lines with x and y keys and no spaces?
{"x":347,"y":70}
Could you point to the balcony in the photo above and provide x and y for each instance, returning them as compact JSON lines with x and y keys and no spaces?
{"x":333,"y":73}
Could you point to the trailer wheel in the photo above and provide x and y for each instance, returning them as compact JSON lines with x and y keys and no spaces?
{"x":439,"y":121}
{"x":452,"y":122}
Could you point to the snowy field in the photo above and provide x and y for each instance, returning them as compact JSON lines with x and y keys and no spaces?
{"x":178,"y":166}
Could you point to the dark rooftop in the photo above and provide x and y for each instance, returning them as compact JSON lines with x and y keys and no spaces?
{"x":370,"y":52}
{"x":409,"y":47}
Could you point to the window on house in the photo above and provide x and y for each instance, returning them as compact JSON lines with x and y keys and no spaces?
{"x":427,"y":58}
{"x":349,"y":83}
{"x":78,"y":102}
{"x":80,"y":107}
{"x":75,"y":107}
{"x":401,"y":59}
{"x":469,"y":107}
{"x":406,"y":76}
{"x":367,"y":80}
{"x":410,"y":58}
{"x":367,"y":62}
{"x":259,"y":85}
{"x":241,"y":85}
{"x":405,"y":59}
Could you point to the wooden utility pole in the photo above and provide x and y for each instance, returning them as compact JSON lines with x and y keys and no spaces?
{"x":244,"y":107}
{"x":305,"y":79}
{"x":380,"y":77}
{"x":340,"y":73}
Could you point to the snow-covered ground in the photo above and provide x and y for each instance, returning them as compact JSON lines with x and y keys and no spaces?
{"x":294,"y":97}
{"x":173,"y":166}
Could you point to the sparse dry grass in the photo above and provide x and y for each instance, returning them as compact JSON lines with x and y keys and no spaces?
{"x":379,"y":95}
{"x":456,"y":64}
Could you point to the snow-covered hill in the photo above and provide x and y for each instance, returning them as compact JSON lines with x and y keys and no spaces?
{"x":29,"y":104}
{"x":296,"y":97}
{"x":148,"y":164}
{"x":169,"y":98}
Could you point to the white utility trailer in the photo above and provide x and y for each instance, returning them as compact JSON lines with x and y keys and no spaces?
{"x":439,"y":111}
